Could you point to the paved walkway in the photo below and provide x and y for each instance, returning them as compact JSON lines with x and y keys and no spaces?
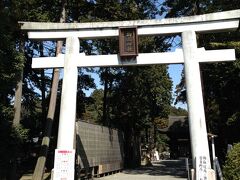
{"x":162,"y":170}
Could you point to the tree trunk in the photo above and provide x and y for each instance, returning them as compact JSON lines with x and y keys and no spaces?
{"x":43,"y":88}
{"x":40,"y":166}
{"x":17,"y":102}
{"x":105,"y":104}
{"x":154,"y":134}
{"x":18,"y":93}
{"x":146,"y":135}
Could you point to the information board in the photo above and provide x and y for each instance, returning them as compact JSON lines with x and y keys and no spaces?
{"x":64,"y":164}
{"x":201,"y":167}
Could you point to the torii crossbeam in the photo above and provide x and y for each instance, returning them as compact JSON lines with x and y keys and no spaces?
{"x":190,"y":55}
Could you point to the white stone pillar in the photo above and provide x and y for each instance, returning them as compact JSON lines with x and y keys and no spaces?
{"x":68,"y":99}
{"x":196,"y":115}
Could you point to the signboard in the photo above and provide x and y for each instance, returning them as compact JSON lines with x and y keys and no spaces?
{"x":64,"y":164}
{"x":128,"y":42}
{"x":201,"y":168}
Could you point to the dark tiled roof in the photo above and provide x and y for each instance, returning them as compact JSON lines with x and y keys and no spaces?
{"x":176,"y":124}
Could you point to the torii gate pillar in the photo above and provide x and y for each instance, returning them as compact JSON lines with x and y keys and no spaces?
{"x":69,"y":96}
{"x":196,"y":115}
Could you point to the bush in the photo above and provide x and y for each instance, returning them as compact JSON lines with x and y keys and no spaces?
{"x":11,"y":141}
{"x":231,"y":169}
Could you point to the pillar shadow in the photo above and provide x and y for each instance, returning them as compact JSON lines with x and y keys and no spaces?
{"x":82,"y":159}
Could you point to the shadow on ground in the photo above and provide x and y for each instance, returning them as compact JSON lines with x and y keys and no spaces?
{"x":175,"y":168}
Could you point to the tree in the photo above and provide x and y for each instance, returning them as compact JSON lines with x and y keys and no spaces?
{"x":138,"y":95}
{"x":231,"y":167}
{"x":94,"y":107}
{"x":11,"y":63}
{"x":11,"y":59}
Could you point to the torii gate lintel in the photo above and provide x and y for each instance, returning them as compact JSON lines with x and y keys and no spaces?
{"x":113,"y":60}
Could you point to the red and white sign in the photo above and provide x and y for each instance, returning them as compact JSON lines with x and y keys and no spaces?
{"x":64,"y":164}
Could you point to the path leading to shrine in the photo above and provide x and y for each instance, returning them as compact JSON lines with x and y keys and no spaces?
{"x":164,"y":170}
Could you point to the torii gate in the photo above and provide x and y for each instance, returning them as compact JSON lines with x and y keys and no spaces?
{"x":190,"y":55}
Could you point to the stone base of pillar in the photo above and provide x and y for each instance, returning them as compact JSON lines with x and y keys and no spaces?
{"x":210,"y":174}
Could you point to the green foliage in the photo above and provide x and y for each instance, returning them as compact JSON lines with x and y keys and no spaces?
{"x":103,"y":10}
{"x":162,"y":142}
{"x":231,"y":169}
{"x":233,"y":119}
{"x":94,"y":107}
{"x":229,"y":44}
{"x":141,"y":94}
{"x":32,"y":10}
{"x":11,"y":60}
{"x":161,"y":123}
{"x":177,"y":8}
{"x":180,"y":91}
{"x":20,"y":133}
{"x":84,"y":82}
{"x":178,"y":111}
{"x":11,"y":64}
{"x":221,"y":82}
